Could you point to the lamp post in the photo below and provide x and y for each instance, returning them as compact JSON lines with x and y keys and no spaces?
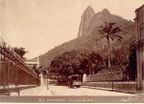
{"x":4,"y":70}
{"x":47,"y":81}
{"x":112,"y":80}
{"x":46,"y":73}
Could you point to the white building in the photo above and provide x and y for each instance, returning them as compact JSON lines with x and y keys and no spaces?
{"x":34,"y":63}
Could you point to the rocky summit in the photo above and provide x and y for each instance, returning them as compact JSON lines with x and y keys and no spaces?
{"x":88,"y":34}
{"x":85,"y":21}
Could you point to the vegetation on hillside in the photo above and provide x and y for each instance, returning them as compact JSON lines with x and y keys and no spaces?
{"x":89,"y":62}
{"x":75,"y":56}
{"x":77,"y":62}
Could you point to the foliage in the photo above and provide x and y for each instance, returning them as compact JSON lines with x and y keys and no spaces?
{"x":131,"y":69}
{"x":76,"y":62}
{"x":20,"y":51}
{"x":120,"y":60}
{"x":110,"y":33}
{"x":36,"y":69}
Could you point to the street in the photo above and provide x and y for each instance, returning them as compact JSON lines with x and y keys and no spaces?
{"x":66,"y":91}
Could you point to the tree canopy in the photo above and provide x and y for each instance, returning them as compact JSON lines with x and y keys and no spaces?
{"x":20,"y":51}
{"x":109,"y":31}
{"x":76,"y":62}
{"x":131,"y":69}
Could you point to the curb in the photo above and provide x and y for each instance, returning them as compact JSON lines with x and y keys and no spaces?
{"x":108,"y":89}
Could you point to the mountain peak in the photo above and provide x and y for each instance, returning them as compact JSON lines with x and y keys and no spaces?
{"x":105,"y":11}
{"x":89,"y":9}
{"x":85,"y":20}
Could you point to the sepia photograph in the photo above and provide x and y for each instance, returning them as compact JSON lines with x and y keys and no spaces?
{"x":71,"y":51}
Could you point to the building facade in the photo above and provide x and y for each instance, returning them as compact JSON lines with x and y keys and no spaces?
{"x":33,"y":62}
{"x":140,"y":47}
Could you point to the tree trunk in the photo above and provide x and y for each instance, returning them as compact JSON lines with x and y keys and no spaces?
{"x":109,"y":54}
{"x":109,"y":61}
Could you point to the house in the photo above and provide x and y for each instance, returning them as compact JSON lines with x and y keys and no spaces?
{"x":140,"y":47}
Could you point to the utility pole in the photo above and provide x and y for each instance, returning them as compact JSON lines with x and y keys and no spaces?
{"x":4,"y":75}
{"x":46,"y":73}
{"x":47,"y":81}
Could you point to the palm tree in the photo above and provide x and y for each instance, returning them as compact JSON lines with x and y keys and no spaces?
{"x":110,"y":33}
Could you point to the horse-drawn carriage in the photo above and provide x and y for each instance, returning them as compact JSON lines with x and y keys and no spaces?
{"x":74,"y":81}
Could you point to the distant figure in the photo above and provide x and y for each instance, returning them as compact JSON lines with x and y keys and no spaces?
{"x":70,"y":81}
{"x":41,"y":79}
{"x":84,"y":77}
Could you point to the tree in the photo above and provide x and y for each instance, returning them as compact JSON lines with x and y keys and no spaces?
{"x":36,"y":69}
{"x":110,"y":33}
{"x":20,"y":51}
{"x":76,"y":62}
{"x":96,"y":62}
{"x":132,"y":72}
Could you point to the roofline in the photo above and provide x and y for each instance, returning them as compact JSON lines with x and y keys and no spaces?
{"x":142,"y":6}
{"x":32,"y":63}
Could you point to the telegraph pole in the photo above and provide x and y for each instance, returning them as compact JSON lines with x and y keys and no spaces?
{"x":47,"y":81}
{"x":46,"y":73}
{"x":4,"y":75}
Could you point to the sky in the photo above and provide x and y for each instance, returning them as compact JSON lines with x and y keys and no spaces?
{"x":40,"y":25}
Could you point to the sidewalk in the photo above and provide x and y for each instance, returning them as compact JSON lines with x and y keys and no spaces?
{"x":109,"y":89}
{"x":36,"y":91}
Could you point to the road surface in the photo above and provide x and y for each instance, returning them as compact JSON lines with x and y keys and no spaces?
{"x":66,"y":91}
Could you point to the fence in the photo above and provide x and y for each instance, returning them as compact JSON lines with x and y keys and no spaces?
{"x":13,"y":70}
{"x":110,"y":76}
{"x":111,"y":80}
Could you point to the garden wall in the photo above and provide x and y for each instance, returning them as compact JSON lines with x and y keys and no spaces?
{"x":113,"y":81}
{"x":119,"y":86}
